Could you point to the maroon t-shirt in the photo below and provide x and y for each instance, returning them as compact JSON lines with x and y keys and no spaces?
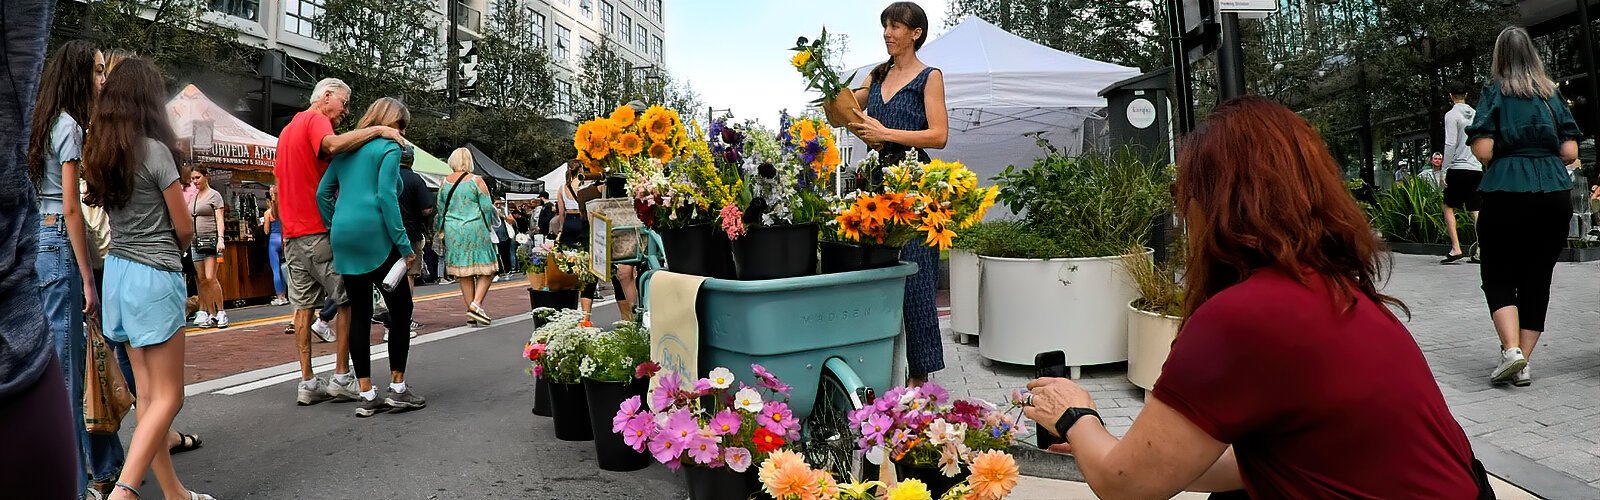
{"x":1318,"y":402}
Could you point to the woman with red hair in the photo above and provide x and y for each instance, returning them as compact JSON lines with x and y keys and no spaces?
{"x":1291,"y":378}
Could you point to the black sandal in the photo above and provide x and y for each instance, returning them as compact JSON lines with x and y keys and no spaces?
{"x":1452,"y":258}
{"x":186,"y":442}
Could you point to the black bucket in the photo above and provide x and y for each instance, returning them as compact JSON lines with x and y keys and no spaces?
{"x":723,"y":483}
{"x":554,"y":299}
{"x":700,"y":250}
{"x":840,"y":257}
{"x":616,"y":187}
{"x":769,"y":253}
{"x":570,"y":411}
{"x":541,"y":397}
{"x":604,"y":399}
{"x":937,"y":482}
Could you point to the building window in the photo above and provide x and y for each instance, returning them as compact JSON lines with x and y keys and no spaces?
{"x":536,"y":20}
{"x":625,"y":30}
{"x":644,"y":5}
{"x":608,"y":18}
{"x":243,"y":9}
{"x":584,"y":46}
{"x":563,"y":38}
{"x":655,"y":8}
{"x":298,"y":16}
{"x":587,"y":6}
{"x":563,"y":97}
{"x":643,"y":39}
{"x":655,"y":48}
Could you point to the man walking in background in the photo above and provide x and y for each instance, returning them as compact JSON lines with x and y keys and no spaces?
{"x":1463,"y":172}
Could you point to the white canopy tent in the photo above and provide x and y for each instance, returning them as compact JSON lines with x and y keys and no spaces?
{"x":552,"y":181}
{"x":1003,"y":91}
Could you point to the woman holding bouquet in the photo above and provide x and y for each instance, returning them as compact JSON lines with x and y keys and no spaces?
{"x":905,"y":111}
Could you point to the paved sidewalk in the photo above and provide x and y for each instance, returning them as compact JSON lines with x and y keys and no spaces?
{"x":1544,"y":438}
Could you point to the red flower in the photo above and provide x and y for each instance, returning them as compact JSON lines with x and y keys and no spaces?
{"x":646,"y":369}
{"x":766,"y":441}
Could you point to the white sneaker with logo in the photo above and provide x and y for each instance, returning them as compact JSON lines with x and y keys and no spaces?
{"x":323,"y":330}
{"x":1511,"y":362}
{"x":201,"y":318}
{"x":222,"y":319}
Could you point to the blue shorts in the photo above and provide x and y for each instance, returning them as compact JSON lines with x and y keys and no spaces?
{"x":143,"y":306}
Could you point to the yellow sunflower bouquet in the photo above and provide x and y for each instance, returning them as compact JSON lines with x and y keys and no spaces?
{"x":610,"y":144}
{"x":929,"y":201}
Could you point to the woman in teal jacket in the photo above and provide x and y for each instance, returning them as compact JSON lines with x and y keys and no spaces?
{"x":360,"y":204}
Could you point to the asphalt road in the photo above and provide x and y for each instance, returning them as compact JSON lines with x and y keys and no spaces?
{"x":476,"y":439}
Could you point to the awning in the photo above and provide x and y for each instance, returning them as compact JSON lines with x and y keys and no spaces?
{"x":234,"y":144}
{"x":504,"y":180}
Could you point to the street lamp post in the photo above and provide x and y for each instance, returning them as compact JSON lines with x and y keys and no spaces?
{"x":651,"y":81}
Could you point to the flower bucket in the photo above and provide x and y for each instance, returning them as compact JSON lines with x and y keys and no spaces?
{"x":570,"y":411}
{"x":554,"y":299}
{"x":616,"y":187}
{"x":610,"y":451}
{"x":700,"y":250}
{"x":937,"y":482}
{"x":556,"y":279}
{"x":536,"y":281}
{"x":766,"y":253}
{"x":838,"y":257}
{"x":541,"y":397}
{"x":841,"y":111}
{"x":723,"y":483}
{"x":1150,"y":338}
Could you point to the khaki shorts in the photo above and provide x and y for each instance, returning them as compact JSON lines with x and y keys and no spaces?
{"x":311,"y":279}
{"x":416,"y":264}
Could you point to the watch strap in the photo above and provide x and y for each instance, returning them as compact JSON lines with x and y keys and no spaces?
{"x":1070,"y":418}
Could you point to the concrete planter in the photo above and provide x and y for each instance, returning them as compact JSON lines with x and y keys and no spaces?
{"x":1078,"y":306}
{"x":965,"y":276}
{"x":1150,"y":337}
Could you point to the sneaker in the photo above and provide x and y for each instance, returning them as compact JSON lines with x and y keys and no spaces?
{"x":343,"y":392}
{"x":1523,"y":379}
{"x":408,"y":400}
{"x":222,"y":319}
{"x":279,"y":301}
{"x":208,"y":323}
{"x":370,"y":407}
{"x":288,"y":329}
{"x":1511,"y":361}
{"x":312,"y":392}
{"x":414,"y":327}
{"x":323,"y":330}
{"x":201,"y":318}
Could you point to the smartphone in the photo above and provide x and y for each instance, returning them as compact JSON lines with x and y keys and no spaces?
{"x":1047,"y":365}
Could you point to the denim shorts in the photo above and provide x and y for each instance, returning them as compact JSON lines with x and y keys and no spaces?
{"x":143,"y":306}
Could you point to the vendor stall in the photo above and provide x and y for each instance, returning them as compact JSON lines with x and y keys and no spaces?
{"x":239,"y":159}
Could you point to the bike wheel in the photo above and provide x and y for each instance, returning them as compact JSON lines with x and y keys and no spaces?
{"x":829,"y":442}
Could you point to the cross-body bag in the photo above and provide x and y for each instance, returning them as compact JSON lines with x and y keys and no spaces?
{"x":207,"y":242}
{"x":451,"y":196}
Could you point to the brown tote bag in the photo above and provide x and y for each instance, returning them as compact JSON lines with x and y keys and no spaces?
{"x":105,"y":394}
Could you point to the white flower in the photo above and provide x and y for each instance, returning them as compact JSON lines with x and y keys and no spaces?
{"x":941,"y":433}
{"x":748,"y":400}
{"x":586,"y":368}
{"x":522,"y":239}
{"x":721,"y":378}
{"x":949,"y":462}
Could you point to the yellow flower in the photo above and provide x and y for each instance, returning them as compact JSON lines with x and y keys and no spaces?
{"x":994,"y":474}
{"x":658,"y":123}
{"x":661,"y":151}
{"x":910,"y":489}
{"x":801,"y":59}
{"x":629,"y":144}
{"x":624,"y":116}
{"x":857,"y":490}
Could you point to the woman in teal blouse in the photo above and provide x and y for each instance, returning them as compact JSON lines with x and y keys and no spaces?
{"x":360,"y":203}
{"x":1524,"y":135}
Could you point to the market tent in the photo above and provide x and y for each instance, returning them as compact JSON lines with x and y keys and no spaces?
{"x":430,"y":167}
{"x":505,"y":181}
{"x":550,"y":180}
{"x":234,"y":144}
{"x":1004,"y":92}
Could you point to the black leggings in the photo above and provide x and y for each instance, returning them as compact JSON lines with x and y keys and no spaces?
{"x":399,"y":301}
{"x":1520,"y":236}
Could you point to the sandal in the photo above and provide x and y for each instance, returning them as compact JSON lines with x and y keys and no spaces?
{"x":1452,"y":258}
{"x":186,"y":442}
{"x":200,"y":496}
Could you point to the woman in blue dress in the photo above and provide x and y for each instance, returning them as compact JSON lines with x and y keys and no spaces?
{"x":905,"y":112}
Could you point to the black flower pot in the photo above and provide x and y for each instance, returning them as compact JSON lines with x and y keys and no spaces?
{"x":937,"y":482}
{"x":840,"y":257}
{"x":554,"y":299}
{"x":616,"y":187}
{"x":604,"y":398}
{"x":723,"y":483}
{"x":769,"y":253}
{"x":570,"y":411}
{"x":700,"y":250}
{"x":541,"y":397}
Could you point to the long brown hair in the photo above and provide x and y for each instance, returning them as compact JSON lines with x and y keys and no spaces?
{"x":1259,"y":189}
{"x":909,"y":14}
{"x":131,"y":109}
{"x":66,"y":86}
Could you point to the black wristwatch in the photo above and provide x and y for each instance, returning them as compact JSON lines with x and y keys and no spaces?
{"x":1070,"y":417}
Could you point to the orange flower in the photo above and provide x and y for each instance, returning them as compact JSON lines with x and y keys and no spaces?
{"x":902,"y":208}
{"x":629,"y":144}
{"x":808,"y":131}
{"x":624,"y":116}
{"x":874,"y":207}
{"x":994,"y":475}
{"x":661,"y":151}
{"x":939,"y":235}
{"x":780,"y":472}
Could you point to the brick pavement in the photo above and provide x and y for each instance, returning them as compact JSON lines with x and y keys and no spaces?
{"x":1555,"y":423}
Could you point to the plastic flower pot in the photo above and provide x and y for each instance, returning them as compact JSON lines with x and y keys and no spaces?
{"x":570,"y":411}
{"x":839,"y":257}
{"x":1025,"y":302}
{"x":965,"y":274}
{"x":776,"y":252}
{"x":723,"y":483}
{"x":700,"y":250}
{"x":554,"y":299}
{"x":1150,"y":337}
{"x":541,"y":397}
{"x":937,"y":482}
{"x":616,"y":187}
{"x":604,"y":397}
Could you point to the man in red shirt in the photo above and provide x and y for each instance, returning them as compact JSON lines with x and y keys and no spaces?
{"x":305,"y":147}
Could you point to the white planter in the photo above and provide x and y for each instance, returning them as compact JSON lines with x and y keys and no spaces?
{"x":1150,"y":337}
{"x":965,"y":273}
{"x":1074,"y":305}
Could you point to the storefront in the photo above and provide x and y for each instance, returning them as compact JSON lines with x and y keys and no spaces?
{"x":239,"y":160}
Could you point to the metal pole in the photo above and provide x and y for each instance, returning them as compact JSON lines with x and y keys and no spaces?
{"x":453,"y":56}
{"x":1230,"y":60}
{"x":1586,"y":30}
{"x":1180,"y":67}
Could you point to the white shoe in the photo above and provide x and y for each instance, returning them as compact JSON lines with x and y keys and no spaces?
{"x":323,"y":330}
{"x":1511,"y":361}
{"x":343,"y":391}
{"x":201,"y":318}
{"x":279,"y":301}
{"x":1523,"y":379}
{"x":222,"y":319}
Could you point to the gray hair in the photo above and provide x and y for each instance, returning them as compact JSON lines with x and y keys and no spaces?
{"x":326,"y":85}
{"x":1517,"y":67}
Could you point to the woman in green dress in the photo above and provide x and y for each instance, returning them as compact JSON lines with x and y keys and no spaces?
{"x":465,"y":218}
{"x":1524,"y":135}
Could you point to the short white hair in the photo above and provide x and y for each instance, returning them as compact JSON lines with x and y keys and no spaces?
{"x":328,"y":84}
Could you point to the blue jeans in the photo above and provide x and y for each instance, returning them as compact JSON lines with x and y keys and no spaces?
{"x":61,"y":289}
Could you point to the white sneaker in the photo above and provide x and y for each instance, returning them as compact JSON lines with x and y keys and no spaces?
{"x":222,"y":319}
{"x":1523,"y":379}
{"x":311,"y":392}
{"x":343,"y":391}
{"x":280,"y":301}
{"x":1511,"y":361}
{"x":201,"y":318}
{"x":323,"y":330}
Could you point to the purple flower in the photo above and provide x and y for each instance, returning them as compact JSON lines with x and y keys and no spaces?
{"x":680,"y":427}
{"x":661,"y":398}
{"x":625,"y":412}
{"x":702,"y":385}
{"x":874,"y":429}
{"x":665,"y":449}
{"x":702,"y":449}
{"x":776,"y":418}
{"x":726,"y":423}
{"x":766,"y":170}
{"x":738,"y":459}
{"x":807,"y":157}
{"x":638,"y":431}
{"x":936,"y":395}
{"x":768,"y":380}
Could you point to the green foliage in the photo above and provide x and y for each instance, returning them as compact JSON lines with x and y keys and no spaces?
{"x":1160,"y":290}
{"x":174,"y":35}
{"x":384,"y":48}
{"x":608,"y":79}
{"x":613,"y":356}
{"x":1129,"y":33}
{"x":1084,"y":206}
{"x":1412,"y":211}
{"x":513,"y":65}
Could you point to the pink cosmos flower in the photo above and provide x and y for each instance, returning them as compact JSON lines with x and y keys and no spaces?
{"x":702,"y":386}
{"x":664,"y":448}
{"x":638,"y":431}
{"x":703,"y":450}
{"x":646,"y":369}
{"x":625,"y":412}
{"x":681,"y":426}
{"x":874,"y":430}
{"x":726,"y":423}
{"x":776,"y":417}
{"x":738,"y":459}
{"x":768,"y":380}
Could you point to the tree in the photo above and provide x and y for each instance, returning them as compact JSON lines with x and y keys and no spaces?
{"x":513,"y":65}
{"x":606,"y":80}
{"x":1126,"y":32}
{"x":174,"y":34}
{"x":384,"y":48}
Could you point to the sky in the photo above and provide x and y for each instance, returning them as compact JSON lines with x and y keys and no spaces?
{"x":736,"y":53}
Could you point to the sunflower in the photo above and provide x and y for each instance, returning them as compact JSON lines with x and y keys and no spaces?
{"x":936,"y":216}
{"x":808,"y":131}
{"x":901,"y":207}
{"x":629,"y":144}
{"x":661,"y":151}
{"x":658,"y":123}
{"x":624,"y":116}
{"x":580,"y":140}
{"x":801,"y":59}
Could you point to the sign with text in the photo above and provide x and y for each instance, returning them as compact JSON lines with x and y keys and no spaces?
{"x":600,"y":246}
{"x":1248,"y":6}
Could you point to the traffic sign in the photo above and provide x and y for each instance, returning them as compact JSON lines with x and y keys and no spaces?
{"x":1248,"y":6}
